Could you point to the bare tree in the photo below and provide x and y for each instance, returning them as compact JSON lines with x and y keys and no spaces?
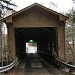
{"x":71,"y":15}
{"x":52,"y":5}
{"x":4,"y":5}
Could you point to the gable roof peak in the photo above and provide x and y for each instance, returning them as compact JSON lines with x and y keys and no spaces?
{"x":39,"y":5}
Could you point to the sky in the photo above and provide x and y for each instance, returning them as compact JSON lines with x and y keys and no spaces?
{"x":57,"y":5}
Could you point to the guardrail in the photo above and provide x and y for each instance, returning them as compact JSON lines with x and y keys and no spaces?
{"x":66,"y":65}
{"x":62,"y":64}
{"x":8,"y":67}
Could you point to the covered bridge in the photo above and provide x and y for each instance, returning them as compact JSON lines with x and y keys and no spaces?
{"x":43,"y":25}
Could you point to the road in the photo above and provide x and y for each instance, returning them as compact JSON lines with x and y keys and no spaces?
{"x":35,"y":65}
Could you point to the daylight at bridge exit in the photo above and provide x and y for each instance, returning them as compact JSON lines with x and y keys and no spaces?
{"x":37,"y":37}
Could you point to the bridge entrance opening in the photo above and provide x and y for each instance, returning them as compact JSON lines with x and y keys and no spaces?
{"x":45,"y":38}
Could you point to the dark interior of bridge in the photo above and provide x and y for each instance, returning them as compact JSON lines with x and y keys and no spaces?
{"x":46,"y":39}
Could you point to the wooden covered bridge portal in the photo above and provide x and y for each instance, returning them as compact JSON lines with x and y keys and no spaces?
{"x":41,"y":24}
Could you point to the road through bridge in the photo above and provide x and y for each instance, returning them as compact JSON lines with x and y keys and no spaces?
{"x":33,"y":64}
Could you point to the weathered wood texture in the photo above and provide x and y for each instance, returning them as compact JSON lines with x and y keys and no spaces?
{"x":35,"y":18}
{"x":61,"y":41}
{"x":11,"y":42}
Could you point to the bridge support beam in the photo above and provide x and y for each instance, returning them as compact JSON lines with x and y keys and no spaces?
{"x":61,"y":42}
{"x":11,"y":42}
